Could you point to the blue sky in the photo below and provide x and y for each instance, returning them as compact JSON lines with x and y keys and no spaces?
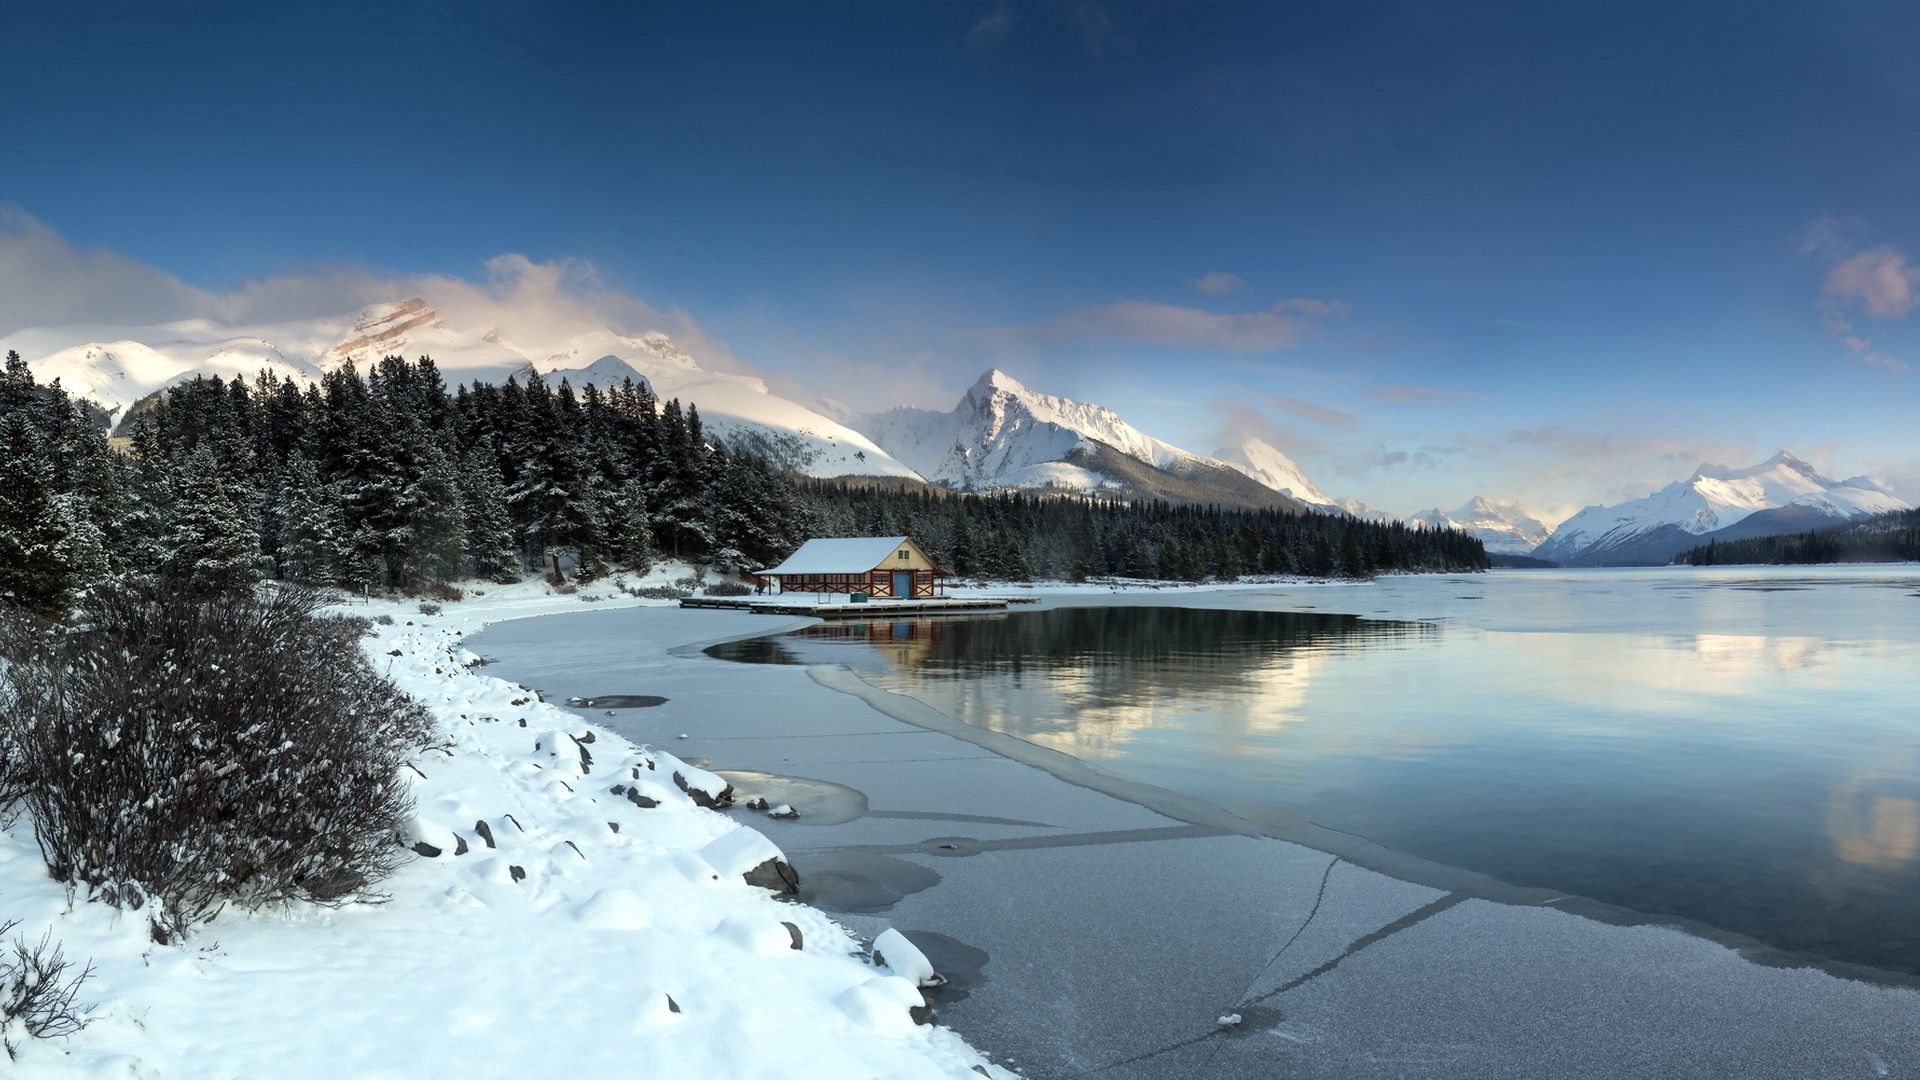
{"x":1559,"y":253}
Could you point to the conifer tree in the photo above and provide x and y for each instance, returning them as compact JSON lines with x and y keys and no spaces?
{"x":34,"y":541}
{"x":490,"y":542}
{"x":214,"y":545}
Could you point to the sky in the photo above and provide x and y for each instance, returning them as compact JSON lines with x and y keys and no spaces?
{"x":1558,"y":253}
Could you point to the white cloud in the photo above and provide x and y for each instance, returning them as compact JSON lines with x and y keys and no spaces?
{"x":1171,"y":326}
{"x":1879,"y":281}
{"x":46,"y":281}
{"x":992,"y":28}
{"x":1218,"y":283}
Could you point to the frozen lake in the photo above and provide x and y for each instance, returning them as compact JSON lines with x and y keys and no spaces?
{"x":1737,"y":747}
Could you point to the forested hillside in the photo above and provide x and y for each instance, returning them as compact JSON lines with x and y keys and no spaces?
{"x":1892,"y":537}
{"x":388,"y":481}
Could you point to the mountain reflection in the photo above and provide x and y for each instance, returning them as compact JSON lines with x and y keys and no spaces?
{"x":1089,"y":680}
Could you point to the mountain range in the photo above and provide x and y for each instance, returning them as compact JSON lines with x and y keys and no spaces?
{"x":1781,"y":494}
{"x":1000,"y":435}
{"x":1503,"y":528}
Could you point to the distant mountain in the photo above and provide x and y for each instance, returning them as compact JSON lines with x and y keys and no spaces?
{"x":1503,"y":528}
{"x":1781,"y":494}
{"x":1003,"y":435}
{"x":1265,"y":463}
{"x":116,"y":367}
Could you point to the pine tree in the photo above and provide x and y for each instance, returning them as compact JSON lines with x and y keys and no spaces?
{"x":214,"y":545}
{"x":632,"y":531}
{"x":489,"y":523}
{"x":34,"y":542}
{"x":438,"y":552}
{"x":311,"y":524}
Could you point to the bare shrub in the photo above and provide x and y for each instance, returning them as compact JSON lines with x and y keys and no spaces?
{"x":430,"y":608}
{"x":180,"y":753}
{"x":729,"y":588}
{"x":38,"y":988}
{"x":382,"y":619}
{"x":444,"y":593}
{"x":660,"y":592}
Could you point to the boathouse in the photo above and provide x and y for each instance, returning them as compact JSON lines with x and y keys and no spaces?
{"x":889,"y":567}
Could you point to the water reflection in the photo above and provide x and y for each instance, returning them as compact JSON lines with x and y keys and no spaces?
{"x":1749,"y":760}
{"x":1091,"y":681}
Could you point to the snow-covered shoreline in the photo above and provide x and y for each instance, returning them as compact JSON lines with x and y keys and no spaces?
{"x":563,"y":929}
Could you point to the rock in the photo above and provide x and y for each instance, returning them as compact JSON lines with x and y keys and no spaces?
{"x":519,"y":872}
{"x":783,"y":812}
{"x":794,"y":932}
{"x":614,"y":825}
{"x":641,"y":801}
{"x":424,"y":848}
{"x":576,"y":849}
{"x":486,"y":833}
{"x":894,"y":952}
{"x":587,"y":737}
{"x":775,"y":875}
{"x":923,"y":1013}
{"x":756,"y":803}
{"x":516,"y":822}
{"x":672,"y":1005}
{"x":459,"y":844}
{"x":1229,"y":1020}
{"x":701,"y":796}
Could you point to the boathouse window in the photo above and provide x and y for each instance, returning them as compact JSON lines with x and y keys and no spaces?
{"x":903,"y":554}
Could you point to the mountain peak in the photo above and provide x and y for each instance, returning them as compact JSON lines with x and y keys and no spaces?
{"x":995,"y":379}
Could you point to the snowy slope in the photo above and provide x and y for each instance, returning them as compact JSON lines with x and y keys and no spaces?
{"x":1712,"y":499}
{"x":117,"y":366}
{"x":113,"y":369}
{"x":565,"y":928}
{"x":1265,"y":463}
{"x":1005,"y":435}
{"x":1503,"y":528}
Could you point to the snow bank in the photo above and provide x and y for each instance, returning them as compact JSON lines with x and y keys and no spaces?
{"x":581,"y":915}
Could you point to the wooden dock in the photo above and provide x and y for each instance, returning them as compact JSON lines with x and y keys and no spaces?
{"x":872,"y":609}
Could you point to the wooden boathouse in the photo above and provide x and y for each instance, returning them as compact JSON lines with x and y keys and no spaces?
{"x":889,"y":567}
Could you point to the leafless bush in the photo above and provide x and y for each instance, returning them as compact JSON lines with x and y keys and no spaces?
{"x":180,"y":753}
{"x":37,"y":990}
{"x":430,"y":608}
{"x":729,"y":588}
{"x":444,"y":593}
{"x":660,"y":592}
{"x":382,"y":619}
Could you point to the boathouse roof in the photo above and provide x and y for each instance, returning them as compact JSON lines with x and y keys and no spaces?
{"x":839,"y":555}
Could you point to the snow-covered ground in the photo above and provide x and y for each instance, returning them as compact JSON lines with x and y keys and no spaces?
{"x":589,"y":937}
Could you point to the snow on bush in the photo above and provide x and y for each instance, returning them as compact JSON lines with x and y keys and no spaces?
{"x":38,"y":987}
{"x":179,"y":753}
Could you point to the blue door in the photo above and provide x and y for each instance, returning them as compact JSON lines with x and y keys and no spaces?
{"x":902,"y":583}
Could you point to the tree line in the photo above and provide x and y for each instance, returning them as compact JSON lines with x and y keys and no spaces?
{"x":1889,"y":537}
{"x":387,"y":480}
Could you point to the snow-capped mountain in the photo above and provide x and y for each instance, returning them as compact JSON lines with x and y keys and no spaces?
{"x":1781,"y":494}
{"x":1502,"y":528}
{"x":1003,"y":435}
{"x":115,"y":367}
{"x":1265,"y":463}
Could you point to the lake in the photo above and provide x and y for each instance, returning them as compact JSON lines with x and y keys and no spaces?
{"x":1736,"y":747}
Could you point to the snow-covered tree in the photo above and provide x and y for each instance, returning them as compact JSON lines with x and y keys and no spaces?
{"x":34,"y":540}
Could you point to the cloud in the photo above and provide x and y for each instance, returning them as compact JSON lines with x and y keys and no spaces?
{"x":1420,"y":395}
{"x":1149,"y":323}
{"x":992,"y":29}
{"x":1218,"y":283}
{"x":1240,"y":422}
{"x":1319,"y":414}
{"x":48,"y":282}
{"x":1879,"y":283}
